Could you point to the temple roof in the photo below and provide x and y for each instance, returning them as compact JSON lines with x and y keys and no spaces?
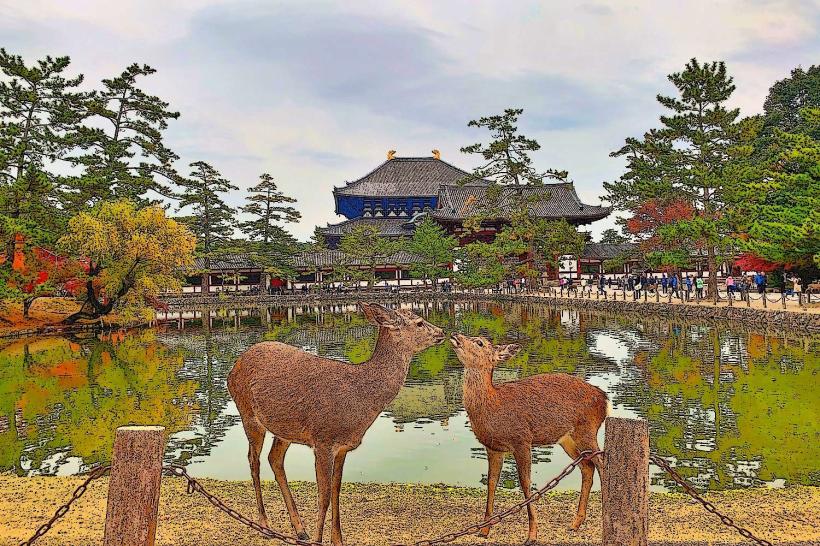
{"x":404,"y":176}
{"x":226,"y":262}
{"x":607,"y":251}
{"x":552,"y":201}
{"x":388,"y":227}
{"x":329,"y":258}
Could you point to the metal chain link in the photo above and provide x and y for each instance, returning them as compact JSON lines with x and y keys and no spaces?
{"x":745,"y":533}
{"x":96,"y":473}
{"x":515,"y":509}
{"x":194,"y":485}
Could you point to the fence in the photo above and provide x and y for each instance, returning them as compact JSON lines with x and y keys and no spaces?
{"x":136,"y":472}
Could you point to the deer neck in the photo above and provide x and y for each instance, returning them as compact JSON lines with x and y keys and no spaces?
{"x":478,"y":388}
{"x":390,"y":361}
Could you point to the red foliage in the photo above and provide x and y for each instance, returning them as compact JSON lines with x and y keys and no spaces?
{"x":653,"y":214}
{"x":750,"y":262}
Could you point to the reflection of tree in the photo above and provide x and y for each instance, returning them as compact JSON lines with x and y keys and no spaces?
{"x":734,"y":417}
{"x":66,"y":399}
{"x":208,"y":358}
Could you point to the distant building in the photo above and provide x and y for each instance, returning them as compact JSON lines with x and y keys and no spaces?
{"x":394,"y":197}
{"x":402,"y":190}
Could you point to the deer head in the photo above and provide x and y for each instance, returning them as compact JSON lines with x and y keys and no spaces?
{"x":405,"y":327}
{"x":480,"y":353}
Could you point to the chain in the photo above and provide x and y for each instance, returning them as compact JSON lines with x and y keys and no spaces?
{"x":194,"y":485}
{"x":515,"y":509}
{"x":745,"y":533}
{"x":63,"y":510}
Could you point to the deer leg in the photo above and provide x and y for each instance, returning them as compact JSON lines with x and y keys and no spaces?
{"x":523,"y":460}
{"x":335,"y":518}
{"x":324,"y":474}
{"x":587,"y":474}
{"x":494,"y":462}
{"x":276,"y":458}
{"x":256,"y":437}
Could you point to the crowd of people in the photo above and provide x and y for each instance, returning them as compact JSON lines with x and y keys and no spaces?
{"x":689,"y":285}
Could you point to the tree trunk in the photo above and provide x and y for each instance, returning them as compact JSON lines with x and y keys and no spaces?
{"x":711,"y":266}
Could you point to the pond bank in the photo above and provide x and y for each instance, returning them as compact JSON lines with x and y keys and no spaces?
{"x":47,"y":313}
{"x":807,"y":320}
{"x":382,"y":514}
{"x":46,"y":318}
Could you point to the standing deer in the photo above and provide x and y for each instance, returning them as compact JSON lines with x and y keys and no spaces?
{"x":322,"y":403}
{"x":539,"y":410}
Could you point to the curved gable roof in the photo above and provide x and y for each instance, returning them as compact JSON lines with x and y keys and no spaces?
{"x":405,"y":176}
{"x":552,"y":201}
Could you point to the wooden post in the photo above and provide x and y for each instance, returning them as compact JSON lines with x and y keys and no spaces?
{"x":625,"y":487}
{"x":133,"y":490}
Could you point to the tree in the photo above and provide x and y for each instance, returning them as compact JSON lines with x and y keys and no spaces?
{"x":507,"y":159}
{"x":481,"y":265}
{"x":780,"y":209}
{"x":126,"y":157}
{"x":268,"y":206}
{"x":435,"y":249}
{"x":270,"y":244}
{"x":132,"y":256}
{"x":364,"y":246}
{"x":317,"y":240}
{"x":786,"y":100}
{"x":686,"y":160}
{"x":39,"y":112}
{"x":212,"y":220}
{"x":612,"y":237}
{"x":557,"y":238}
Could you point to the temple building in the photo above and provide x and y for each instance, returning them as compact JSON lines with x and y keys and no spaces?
{"x":393,"y":198}
{"x":402,"y":190}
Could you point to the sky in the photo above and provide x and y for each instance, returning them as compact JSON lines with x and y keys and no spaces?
{"x":315,"y":93}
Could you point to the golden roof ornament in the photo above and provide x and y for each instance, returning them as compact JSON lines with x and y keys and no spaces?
{"x":391,"y":154}
{"x":436,"y":154}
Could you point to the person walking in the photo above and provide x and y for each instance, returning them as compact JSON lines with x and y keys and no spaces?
{"x":688,"y":286}
{"x":797,"y":287}
{"x":601,"y":285}
{"x":699,"y":287}
{"x":730,"y":285}
{"x":673,"y":282}
{"x":664,"y":283}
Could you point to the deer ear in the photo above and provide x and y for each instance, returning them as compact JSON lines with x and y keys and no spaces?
{"x":377,"y":314}
{"x":505,"y":352}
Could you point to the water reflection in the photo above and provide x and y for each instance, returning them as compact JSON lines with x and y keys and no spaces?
{"x":731,"y":407}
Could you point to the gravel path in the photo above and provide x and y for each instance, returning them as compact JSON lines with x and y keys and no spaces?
{"x":383,"y":514}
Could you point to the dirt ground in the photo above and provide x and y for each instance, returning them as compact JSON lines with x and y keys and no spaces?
{"x":385,"y":514}
{"x":44,"y":312}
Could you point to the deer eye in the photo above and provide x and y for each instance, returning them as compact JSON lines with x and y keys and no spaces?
{"x":480,"y":343}
{"x":419,"y":324}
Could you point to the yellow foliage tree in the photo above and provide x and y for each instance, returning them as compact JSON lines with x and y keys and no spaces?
{"x":132,"y":255}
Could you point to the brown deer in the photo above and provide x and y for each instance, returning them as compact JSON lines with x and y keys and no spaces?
{"x":539,"y":410}
{"x":322,"y":403}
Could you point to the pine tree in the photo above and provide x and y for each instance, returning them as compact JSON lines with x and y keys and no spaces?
{"x":435,"y":249}
{"x":212,"y":220}
{"x":367,"y":248}
{"x":270,"y":244}
{"x":685,"y":161}
{"x":507,"y":159}
{"x":613,"y":237}
{"x":126,"y":158}
{"x":39,"y":114}
{"x":268,"y":206}
{"x":781,"y":207}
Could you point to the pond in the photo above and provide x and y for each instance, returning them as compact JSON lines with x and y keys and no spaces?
{"x":730,"y":407}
